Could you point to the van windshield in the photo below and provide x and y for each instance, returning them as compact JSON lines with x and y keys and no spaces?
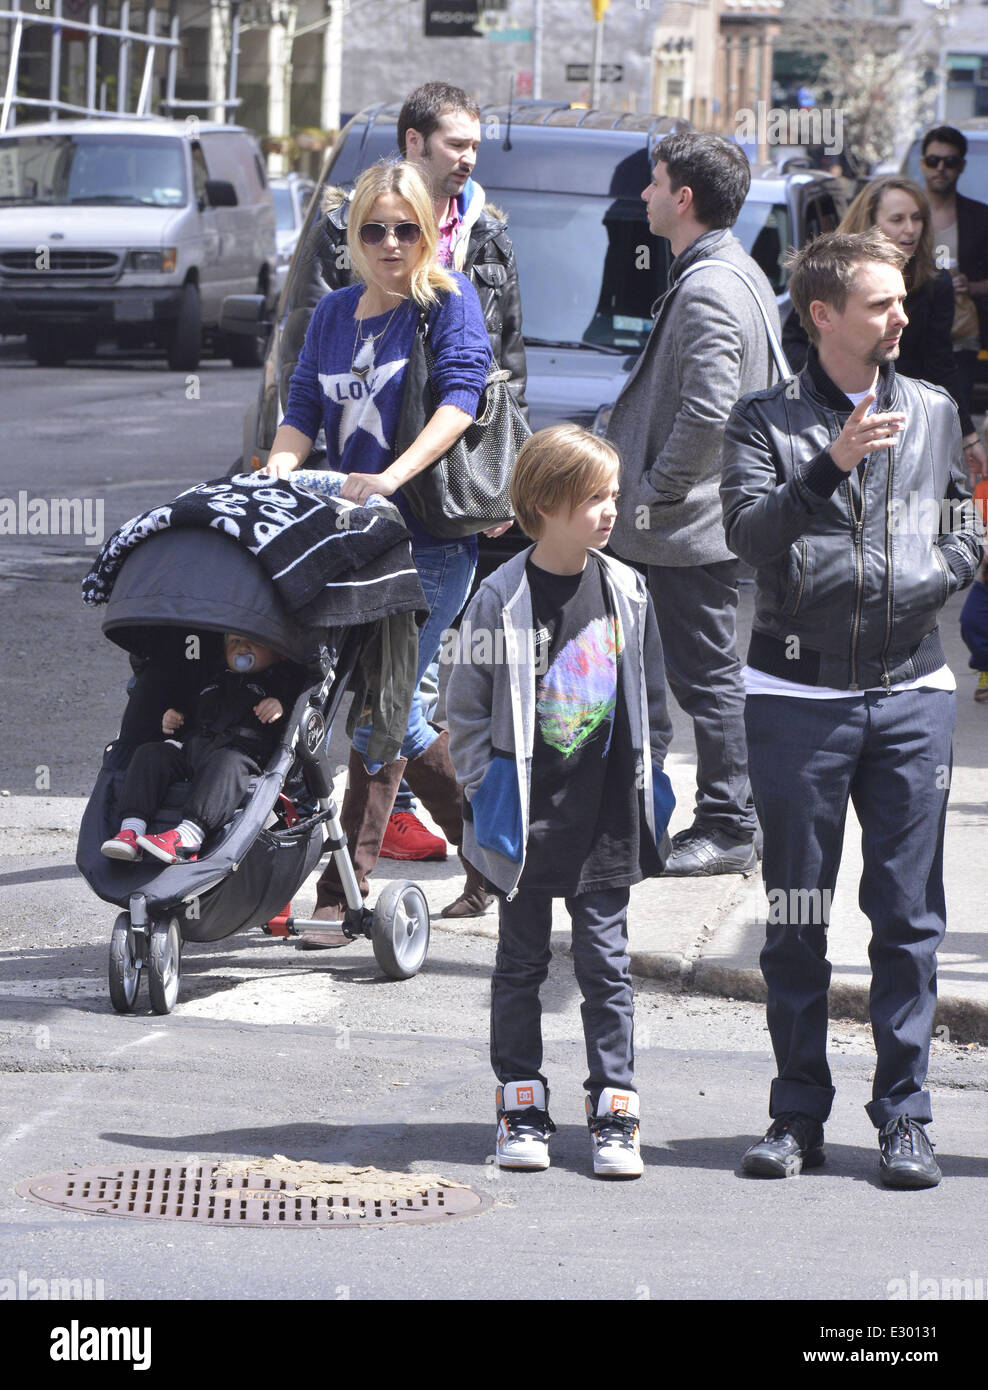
{"x":589,"y":270}
{"x":57,"y":170}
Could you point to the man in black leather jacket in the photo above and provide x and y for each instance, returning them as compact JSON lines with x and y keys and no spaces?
{"x":860,"y":526}
{"x":439,"y":131}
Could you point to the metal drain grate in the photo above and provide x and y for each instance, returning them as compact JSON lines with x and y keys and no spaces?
{"x":172,"y":1193}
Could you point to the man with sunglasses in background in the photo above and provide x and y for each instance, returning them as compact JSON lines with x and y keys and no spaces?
{"x":438,"y":132}
{"x":960,"y":230}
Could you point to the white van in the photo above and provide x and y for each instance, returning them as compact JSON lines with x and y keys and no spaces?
{"x":133,"y":231}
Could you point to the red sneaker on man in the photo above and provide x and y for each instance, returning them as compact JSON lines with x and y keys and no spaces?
{"x":407,"y":838}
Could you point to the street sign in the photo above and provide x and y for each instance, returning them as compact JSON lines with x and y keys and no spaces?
{"x":580,"y":72}
{"x":451,"y":19}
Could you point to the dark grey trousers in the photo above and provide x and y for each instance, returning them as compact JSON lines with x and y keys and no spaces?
{"x":696,"y":607}
{"x":890,"y":755}
{"x":603,"y":972}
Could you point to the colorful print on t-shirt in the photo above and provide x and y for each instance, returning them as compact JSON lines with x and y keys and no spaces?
{"x":577,"y":695}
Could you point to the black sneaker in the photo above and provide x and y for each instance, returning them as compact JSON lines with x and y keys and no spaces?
{"x":793,"y":1142}
{"x":906,"y":1155}
{"x":703,"y":853}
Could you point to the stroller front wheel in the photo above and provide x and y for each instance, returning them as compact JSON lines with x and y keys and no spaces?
{"x":400,"y":930}
{"x":125,"y":970}
{"x":165,"y":965}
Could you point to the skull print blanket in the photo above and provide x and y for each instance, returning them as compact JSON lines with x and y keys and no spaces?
{"x":332,"y":563}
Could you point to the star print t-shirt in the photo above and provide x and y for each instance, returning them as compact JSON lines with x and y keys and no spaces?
{"x":583,"y":820}
{"x":350,"y":377}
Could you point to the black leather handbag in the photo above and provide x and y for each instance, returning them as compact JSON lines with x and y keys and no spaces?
{"x":466,"y":490}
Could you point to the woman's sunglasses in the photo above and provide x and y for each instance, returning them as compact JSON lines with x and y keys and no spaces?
{"x":406,"y":233}
{"x":949,"y":161}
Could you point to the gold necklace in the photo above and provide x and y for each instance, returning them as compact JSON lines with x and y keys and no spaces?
{"x":360,"y":341}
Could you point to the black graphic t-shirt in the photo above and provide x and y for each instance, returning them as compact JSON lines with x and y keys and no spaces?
{"x":583,"y":822}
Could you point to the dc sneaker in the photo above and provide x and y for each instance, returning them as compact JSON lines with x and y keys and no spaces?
{"x":523,"y":1125}
{"x":614,"y":1134}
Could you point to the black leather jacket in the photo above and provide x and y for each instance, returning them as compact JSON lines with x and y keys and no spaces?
{"x":489,"y":265}
{"x":852,"y":569}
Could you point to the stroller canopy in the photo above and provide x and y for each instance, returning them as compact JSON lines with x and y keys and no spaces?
{"x":202,"y":580}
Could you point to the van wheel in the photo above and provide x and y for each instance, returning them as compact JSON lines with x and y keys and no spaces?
{"x":47,"y":351}
{"x":185,"y":341}
{"x":245,"y":350}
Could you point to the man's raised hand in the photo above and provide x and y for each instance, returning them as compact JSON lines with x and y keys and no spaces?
{"x":863,"y":434}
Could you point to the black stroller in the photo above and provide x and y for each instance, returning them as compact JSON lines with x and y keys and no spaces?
{"x":181,"y":587}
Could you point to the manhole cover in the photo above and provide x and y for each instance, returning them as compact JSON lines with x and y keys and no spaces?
{"x":262,"y":1193}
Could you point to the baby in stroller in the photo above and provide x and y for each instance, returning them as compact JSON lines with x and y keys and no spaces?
{"x":226,"y":741}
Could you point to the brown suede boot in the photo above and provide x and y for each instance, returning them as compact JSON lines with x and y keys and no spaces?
{"x":474,"y":900}
{"x":367,"y":804}
{"x":432,"y":779}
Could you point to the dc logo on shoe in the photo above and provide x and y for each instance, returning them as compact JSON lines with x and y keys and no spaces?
{"x":525,"y":1096}
{"x":619,"y":1103}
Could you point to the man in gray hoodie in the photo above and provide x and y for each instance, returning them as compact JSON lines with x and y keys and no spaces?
{"x":708,"y":346}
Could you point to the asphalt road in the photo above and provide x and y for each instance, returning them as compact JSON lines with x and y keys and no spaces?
{"x":272,"y":1051}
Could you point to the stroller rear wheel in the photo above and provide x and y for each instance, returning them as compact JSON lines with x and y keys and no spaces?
{"x":400,"y":930}
{"x":165,"y":965}
{"x":125,"y":968}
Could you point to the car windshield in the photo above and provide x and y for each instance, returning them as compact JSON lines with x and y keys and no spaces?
{"x":763,"y":230}
{"x":92,"y":169}
{"x":284,"y":208}
{"x":608,"y":268}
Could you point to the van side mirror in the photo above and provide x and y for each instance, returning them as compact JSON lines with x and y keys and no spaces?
{"x":220,"y":194}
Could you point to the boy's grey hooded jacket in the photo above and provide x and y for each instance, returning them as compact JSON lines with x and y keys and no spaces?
{"x":490,"y":706}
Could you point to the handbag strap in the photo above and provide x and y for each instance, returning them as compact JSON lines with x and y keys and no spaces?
{"x":781,"y":361}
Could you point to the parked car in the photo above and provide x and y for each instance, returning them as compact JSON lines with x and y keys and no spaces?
{"x":133,"y":231}
{"x":291,"y":194}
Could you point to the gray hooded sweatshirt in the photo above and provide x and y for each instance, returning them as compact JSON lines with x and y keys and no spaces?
{"x":490,"y":706}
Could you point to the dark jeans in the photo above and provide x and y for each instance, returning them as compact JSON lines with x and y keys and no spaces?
{"x":603,"y":972}
{"x":696,"y":607}
{"x":891,"y":756}
{"x":219,"y":778}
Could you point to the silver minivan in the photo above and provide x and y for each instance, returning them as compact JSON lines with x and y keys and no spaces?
{"x":133,"y":231}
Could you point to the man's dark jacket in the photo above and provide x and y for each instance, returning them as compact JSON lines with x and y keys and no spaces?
{"x":852,"y":569}
{"x":489,"y":265}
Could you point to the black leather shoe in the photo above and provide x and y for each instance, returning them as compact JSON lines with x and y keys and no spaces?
{"x":907,"y":1155}
{"x":793,"y":1143}
{"x":701,"y":853}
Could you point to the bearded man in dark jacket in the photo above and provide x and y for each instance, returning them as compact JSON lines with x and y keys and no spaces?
{"x":845,"y":489}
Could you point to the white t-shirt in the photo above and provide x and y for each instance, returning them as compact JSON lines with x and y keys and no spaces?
{"x":761,"y":683}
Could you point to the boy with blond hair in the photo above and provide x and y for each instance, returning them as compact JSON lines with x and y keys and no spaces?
{"x":558,"y":734}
